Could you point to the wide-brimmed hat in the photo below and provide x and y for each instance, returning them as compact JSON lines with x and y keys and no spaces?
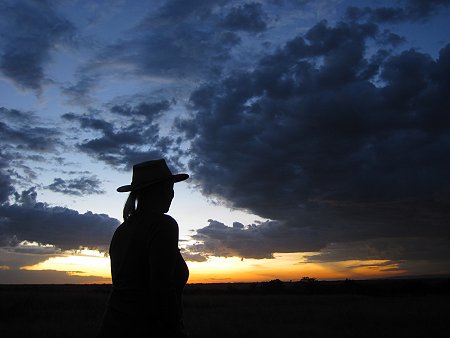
{"x":148,"y":173}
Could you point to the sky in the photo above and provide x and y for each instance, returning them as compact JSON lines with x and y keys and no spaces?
{"x":316,"y":134}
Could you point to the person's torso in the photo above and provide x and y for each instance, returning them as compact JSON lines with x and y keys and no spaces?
{"x":129,"y":253}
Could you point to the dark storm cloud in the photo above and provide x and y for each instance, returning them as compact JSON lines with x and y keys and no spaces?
{"x":389,"y":230}
{"x":252,"y":241}
{"x":133,"y":139}
{"x":295,"y":2}
{"x":150,"y":111}
{"x":410,"y":10}
{"x":22,"y":218}
{"x":19,"y":276}
{"x":248,"y":17}
{"x":334,"y":145}
{"x":66,"y":229}
{"x":6,"y":187}
{"x":19,"y":255}
{"x":31,"y":138}
{"x":24,"y":138}
{"x":14,"y":115}
{"x":79,"y":186}
{"x":176,"y":51}
{"x":21,"y":131}
{"x":390,"y":39}
{"x":175,"y":10}
{"x":179,"y":40}
{"x":412,"y":248}
{"x":29,"y":31}
{"x":89,"y":122}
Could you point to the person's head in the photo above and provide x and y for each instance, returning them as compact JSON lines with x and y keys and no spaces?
{"x":151,"y":186}
{"x":156,"y":197}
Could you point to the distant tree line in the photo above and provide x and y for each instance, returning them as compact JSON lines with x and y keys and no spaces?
{"x":312,"y":286}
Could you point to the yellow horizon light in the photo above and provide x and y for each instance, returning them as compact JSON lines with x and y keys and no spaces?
{"x":83,"y":263}
{"x":284,"y":266}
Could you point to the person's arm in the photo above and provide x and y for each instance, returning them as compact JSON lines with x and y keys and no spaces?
{"x":162,"y":258}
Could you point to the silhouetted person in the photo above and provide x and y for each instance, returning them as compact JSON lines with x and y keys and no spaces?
{"x":148,"y":271}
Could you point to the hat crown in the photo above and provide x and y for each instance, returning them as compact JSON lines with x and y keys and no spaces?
{"x":150,"y":171}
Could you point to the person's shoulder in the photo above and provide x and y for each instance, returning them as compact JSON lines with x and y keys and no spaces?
{"x":168,"y":220}
{"x":120,"y":228}
{"x":166,"y":226}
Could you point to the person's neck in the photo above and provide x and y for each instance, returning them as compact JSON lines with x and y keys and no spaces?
{"x":154,"y":209}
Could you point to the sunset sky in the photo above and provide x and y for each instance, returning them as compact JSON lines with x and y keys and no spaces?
{"x":316,"y":134}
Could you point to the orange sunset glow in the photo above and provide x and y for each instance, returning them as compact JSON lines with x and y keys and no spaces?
{"x":284,"y":266}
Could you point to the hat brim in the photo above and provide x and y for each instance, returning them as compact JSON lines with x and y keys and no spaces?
{"x":174,"y":178}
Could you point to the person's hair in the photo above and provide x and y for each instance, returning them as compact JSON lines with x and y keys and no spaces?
{"x":130,"y":205}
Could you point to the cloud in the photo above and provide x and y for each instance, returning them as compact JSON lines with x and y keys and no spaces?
{"x":18,"y":276}
{"x":151,"y":111}
{"x":28,"y":142}
{"x":248,"y":17}
{"x":295,"y":2}
{"x":29,"y":32}
{"x":174,"y":50}
{"x":252,"y":241}
{"x":174,"y":10}
{"x":23,"y":254}
{"x":89,"y":122}
{"x":402,"y":249}
{"x":78,"y":187}
{"x":30,"y":138}
{"x":24,"y":139}
{"x":134,"y":138}
{"x":332,"y":143}
{"x":5,"y":183}
{"x":193,"y":257}
{"x":179,"y":41}
{"x":411,"y":10}
{"x":79,"y":93}
{"x":393,"y":231}
{"x":64,"y":228}
{"x":418,"y":255}
{"x":25,"y":220}
{"x":16,"y":132}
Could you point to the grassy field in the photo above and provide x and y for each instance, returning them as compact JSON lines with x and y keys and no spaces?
{"x":273,"y":309}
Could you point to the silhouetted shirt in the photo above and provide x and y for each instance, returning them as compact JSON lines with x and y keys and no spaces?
{"x":148,"y":274}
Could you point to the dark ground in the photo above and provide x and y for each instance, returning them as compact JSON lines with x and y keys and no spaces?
{"x":382,"y":308}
